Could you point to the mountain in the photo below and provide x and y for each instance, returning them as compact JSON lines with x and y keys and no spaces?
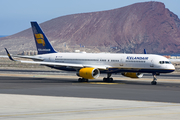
{"x":128,"y":29}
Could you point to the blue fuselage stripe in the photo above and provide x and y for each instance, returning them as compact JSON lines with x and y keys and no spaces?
{"x":120,"y":70}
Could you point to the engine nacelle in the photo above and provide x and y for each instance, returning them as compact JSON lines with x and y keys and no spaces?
{"x":132,"y":75}
{"x":88,"y":73}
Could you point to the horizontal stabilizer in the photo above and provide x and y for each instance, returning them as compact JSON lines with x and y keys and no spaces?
{"x":35,"y":58}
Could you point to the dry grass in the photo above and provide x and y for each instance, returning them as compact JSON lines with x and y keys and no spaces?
{"x":5,"y":63}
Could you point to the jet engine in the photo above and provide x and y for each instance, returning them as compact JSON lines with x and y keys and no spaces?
{"x":88,"y":73}
{"x":132,"y":75}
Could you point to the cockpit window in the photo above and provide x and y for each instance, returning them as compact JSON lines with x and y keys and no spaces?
{"x":167,"y":62}
{"x":164,"y":62}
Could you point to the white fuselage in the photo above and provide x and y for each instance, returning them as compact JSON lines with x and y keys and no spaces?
{"x":144,"y":63}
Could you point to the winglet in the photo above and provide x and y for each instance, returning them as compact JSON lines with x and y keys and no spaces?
{"x":145,"y":51}
{"x":9,"y":55}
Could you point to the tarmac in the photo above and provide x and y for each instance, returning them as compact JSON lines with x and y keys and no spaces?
{"x":50,"y":96}
{"x":28,"y":107}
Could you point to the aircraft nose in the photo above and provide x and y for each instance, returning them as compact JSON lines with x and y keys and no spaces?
{"x":172,"y":68}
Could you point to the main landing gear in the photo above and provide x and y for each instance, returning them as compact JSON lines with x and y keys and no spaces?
{"x":154,"y":79}
{"x":108,"y":79}
{"x":82,"y":80}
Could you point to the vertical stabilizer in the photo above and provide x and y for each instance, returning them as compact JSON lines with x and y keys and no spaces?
{"x":42,"y":43}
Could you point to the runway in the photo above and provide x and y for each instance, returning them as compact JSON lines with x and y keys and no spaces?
{"x":58,"y":95}
{"x":122,"y":88}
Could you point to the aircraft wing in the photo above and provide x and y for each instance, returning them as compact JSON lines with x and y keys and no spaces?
{"x":55,"y":63}
{"x":101,"y":67}
{"x":66,"y":64}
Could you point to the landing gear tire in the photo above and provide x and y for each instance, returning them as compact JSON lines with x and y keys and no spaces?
{"x":104,"y":79}
{"x":82,"y":80}
{"x":86,"y":80}
{"x":107,"y":79}
{"x":110,"y":79}
{"x":153,"y":83}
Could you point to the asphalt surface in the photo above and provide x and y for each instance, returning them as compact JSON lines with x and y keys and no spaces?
{"x":120,"y":89}
{"x":57,"y":72}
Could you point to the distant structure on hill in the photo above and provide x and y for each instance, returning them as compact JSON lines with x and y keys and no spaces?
{"x":28,"y":53}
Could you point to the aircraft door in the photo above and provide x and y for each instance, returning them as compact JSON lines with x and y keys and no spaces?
{"x":152,"y":64}
{"x":121,"y":62}
{"x":50,"y":58}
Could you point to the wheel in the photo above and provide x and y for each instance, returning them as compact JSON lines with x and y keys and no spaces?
{"x":85,"y":80}
{"x":107,"y":79}
{"x":104,"y":79}
{"x":80,"y":80}
{"x":110,"y":79}
{"x":153,"y":83}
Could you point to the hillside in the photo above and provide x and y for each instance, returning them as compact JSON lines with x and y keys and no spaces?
{"x":129,"y":29}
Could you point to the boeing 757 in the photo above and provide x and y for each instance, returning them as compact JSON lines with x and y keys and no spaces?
{"x":91,"y":65}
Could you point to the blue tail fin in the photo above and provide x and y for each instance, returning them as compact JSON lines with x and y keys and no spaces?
{"x":42,"y":43}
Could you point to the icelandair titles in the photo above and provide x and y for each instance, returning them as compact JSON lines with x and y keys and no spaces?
{"x":136,"y":58}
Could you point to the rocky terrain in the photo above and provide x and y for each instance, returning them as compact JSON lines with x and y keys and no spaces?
{"x":128,"y":29}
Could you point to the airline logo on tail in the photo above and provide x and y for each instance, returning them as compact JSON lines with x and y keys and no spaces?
{"x":40,"y":39}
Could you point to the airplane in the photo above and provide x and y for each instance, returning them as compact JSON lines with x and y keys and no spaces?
{"x":91,"y":65}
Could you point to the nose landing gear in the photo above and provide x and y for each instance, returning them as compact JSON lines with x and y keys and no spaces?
{"x":154,"y":79}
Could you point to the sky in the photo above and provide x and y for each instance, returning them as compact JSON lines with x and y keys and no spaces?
{"x":15,"y":15}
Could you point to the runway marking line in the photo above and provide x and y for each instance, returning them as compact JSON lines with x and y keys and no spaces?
{"x":102,"y":83}
{"x":46,"y":113}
